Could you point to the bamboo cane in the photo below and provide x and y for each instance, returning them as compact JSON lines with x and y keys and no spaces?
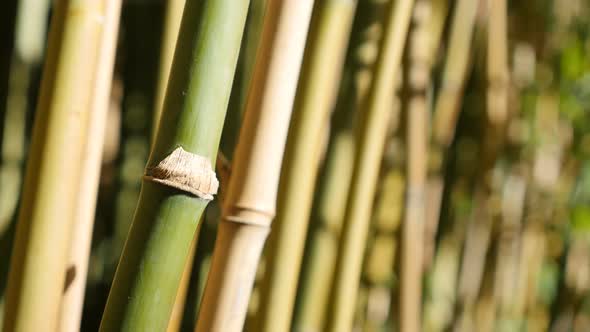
{"x":30,"y":25}
{"x":479,"y":234}
{"x":325,"y":52}
{"x":454,"y":72}
{"x":179,"y":181}
{"x":250,"y":203}
{"x":447,"y":107}
{"x":79,"y":252}
{"x":366,"y":167}
{"x":39,"y":257}
{"x":417,"y":132}
{"x":172,"y":20}
{"x":178,"y":309}
{"x":322,"y":244}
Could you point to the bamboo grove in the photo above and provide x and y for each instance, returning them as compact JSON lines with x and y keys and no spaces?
{"x":295,"y":165}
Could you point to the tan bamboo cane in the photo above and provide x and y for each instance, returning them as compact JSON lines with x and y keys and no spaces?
{"x":447,"y":107}
{"x":71,"y":309}
{"x":417,"y":133}
{"x":317,"y":91}
{"x":330,"y":201}
{"x":249,"y":206}
{"x":366,"y":168}
{"x":434,"y":183}
{"x":480,"y":229}
{"x":454,"y":72}
{"x":40,"y":253}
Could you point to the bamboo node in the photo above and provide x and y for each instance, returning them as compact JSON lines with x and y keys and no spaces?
{"x":185,"y":171}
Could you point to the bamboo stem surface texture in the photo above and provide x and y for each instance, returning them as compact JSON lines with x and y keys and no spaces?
{"x":249,"y":206}
{"x":366,"y":167}
{"x":179,"y":180}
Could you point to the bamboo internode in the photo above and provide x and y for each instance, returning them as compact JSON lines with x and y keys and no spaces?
{"x":249,"y":206}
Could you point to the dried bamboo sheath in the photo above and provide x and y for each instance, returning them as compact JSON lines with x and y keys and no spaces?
{"x":249,"y":206}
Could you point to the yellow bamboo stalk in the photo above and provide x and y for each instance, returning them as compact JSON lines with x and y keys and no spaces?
{"x":417,"y":133}
{"x":325,"y":53}
{"x":38,"y":265}
{"x":172,"y":21}
{"x":497,"y":66}
{"x":366,"y":168}
{"x":249,"y":206}
{"x":71,"y":309}
{"x":478,"y":237}
{"x":454,"y":72}
{"x":447,"y":105}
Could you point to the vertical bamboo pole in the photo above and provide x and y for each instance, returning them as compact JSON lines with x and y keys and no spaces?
{"x":37,"y":273}
{"x":434,"y":182}
{"x":446,"y":109}
{"x":366,"y":167}
{"x":325,"y":53}
{"x":172,"y":20}
{"x":71,"y":309}
{"x":179,"y":181}
{"x":333,"y":188}
{"x":250,"y":202}
{"x":454,"y":72}
{"x":176,"y":316}
{"x":417,"y":133}
{"x":480,"y":229}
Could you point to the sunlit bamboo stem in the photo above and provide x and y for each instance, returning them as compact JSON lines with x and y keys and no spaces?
{"x":366,"y":167}
{"x":325,"y":52}
{"x":179,"y":180}
{"x":249,"y":206}
{"x":47,"y":212}
{"x":79,"y":253}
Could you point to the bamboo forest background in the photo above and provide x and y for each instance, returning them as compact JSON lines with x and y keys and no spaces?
{"x":435,"y":174}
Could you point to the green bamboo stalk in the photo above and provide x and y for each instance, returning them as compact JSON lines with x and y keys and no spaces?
{"x":79,"y":252}
{"x":366,"y":167}
{"x":250,"y":202}
{"x":37,"y":274}
{"x":172,"y":20}
{"x":325,"y":53}
{"x":166,"y":219}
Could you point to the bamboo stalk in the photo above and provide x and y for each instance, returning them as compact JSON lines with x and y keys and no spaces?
{"x":169,"y":209}
{"x":366,"y":167}
{"x":178,"y":309}
{"x":479,"y":233}
{"x":79,"y":252}
{"x":325,"y":53}
{"x":327,"y":217}
{"x":250,"y":203}
{"x":447,"y":107}
{"x":172,"y":20}
{"x":417,"y":132}
{"x":454,"y":72}
{"x":37,"y":274}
